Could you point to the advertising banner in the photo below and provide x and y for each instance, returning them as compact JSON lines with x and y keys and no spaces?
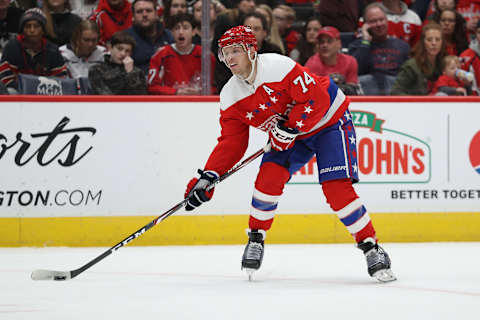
{"x":75,"y":159}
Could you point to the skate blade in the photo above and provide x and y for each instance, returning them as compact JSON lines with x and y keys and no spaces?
{"x":385,"y":275}
{"x":250,"y":273}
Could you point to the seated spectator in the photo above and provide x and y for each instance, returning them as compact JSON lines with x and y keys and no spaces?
{"x":436,"y":7}
{"x":215,"y":7}
{"x":176,"y":68}
{"x":112,"y":16}
{"x":118,"y":75}
{"x":9,"y":17}
{"x":226,"y":20}
{"x":454,"y":32}
{"x":470,"y":11}
{"x":403,"y":23}
{"x":30,"y":52}
{"x":470,"y":60}
{"x":273,"y":33}
{"x":258,"y":24}
{"x":83,"y":8}
{"x":172,"y":8}
{"x":379,"y":56}
{"x":417,"y":76}
{"x":285,"y":16}
{"x":450,"y":82}
{"x":341,"y":14}
{"x":148,"y":32}
{"x":307,"y":45}
{"x":83,"y":52}
{"x":329,"y":61}
{"x":60,"y":21}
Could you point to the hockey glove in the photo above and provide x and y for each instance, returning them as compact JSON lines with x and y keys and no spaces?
{"x":197,"y":189}
{"x":281,"y":137}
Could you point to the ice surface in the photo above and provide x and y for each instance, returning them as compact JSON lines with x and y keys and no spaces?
{"x":436,"y":281}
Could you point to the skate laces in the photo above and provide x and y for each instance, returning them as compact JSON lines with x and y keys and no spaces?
{"x":376,"y":256}
{"x":254,"y":251}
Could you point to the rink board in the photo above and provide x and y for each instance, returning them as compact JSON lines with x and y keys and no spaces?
{"x":88,"y":171}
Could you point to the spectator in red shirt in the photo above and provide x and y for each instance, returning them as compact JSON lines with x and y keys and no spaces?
{"x":329,"y":61}
{"x":176,"y":68}
{"x":112,"y":16}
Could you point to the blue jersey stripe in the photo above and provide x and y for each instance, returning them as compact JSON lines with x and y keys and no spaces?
{"x":354,"y":216}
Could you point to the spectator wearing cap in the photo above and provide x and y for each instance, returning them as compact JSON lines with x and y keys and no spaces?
{"x":30,"y":52}
{"x":112,"y":16}
{"x":470,"y":60}
{"x":379,"y":56}
{"x":330,"y":62}
{"x":9,"y":17}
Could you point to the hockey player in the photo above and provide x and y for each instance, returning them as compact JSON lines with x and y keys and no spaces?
{"x":305,"y":116}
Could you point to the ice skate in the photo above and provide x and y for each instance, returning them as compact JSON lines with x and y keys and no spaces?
{"x":378,"y":262}
{"x":253,"y":254}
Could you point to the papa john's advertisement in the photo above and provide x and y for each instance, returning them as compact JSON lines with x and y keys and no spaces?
{"x":414,"y":157}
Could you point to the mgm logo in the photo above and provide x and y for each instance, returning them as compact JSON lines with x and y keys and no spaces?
{"x":48,"y":86}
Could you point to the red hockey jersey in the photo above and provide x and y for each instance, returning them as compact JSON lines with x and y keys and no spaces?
{"x":169,"y":70}
{"x":110,"y":21}
{"x":282,"y":89}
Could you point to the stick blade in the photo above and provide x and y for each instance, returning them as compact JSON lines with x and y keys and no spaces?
{"x":50,"y":275}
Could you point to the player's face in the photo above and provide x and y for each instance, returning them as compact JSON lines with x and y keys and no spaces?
{"x":237,"y":60}
{"x":144,"y":14}
{"x":256,"y":25}
{"x":312,"y":31}
{"x":377,"y":22}
{"x":447,"y":22}
{"x":182,"y":34}
{"x":433,"y":42}
{"x":327,"y":46}
{"x":87,"y":43}
{"x":178,"y":6}
{"x":33,"y":30}
{"x":119,"y":52}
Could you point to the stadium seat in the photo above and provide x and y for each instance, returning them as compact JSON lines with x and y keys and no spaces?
{"x":50,"y":86}
{"x":346,"y":38}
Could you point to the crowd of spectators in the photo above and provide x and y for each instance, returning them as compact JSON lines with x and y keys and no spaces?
{"x":126,"y":47}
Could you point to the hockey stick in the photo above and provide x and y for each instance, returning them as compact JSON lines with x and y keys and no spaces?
{"x":67,"y":275}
